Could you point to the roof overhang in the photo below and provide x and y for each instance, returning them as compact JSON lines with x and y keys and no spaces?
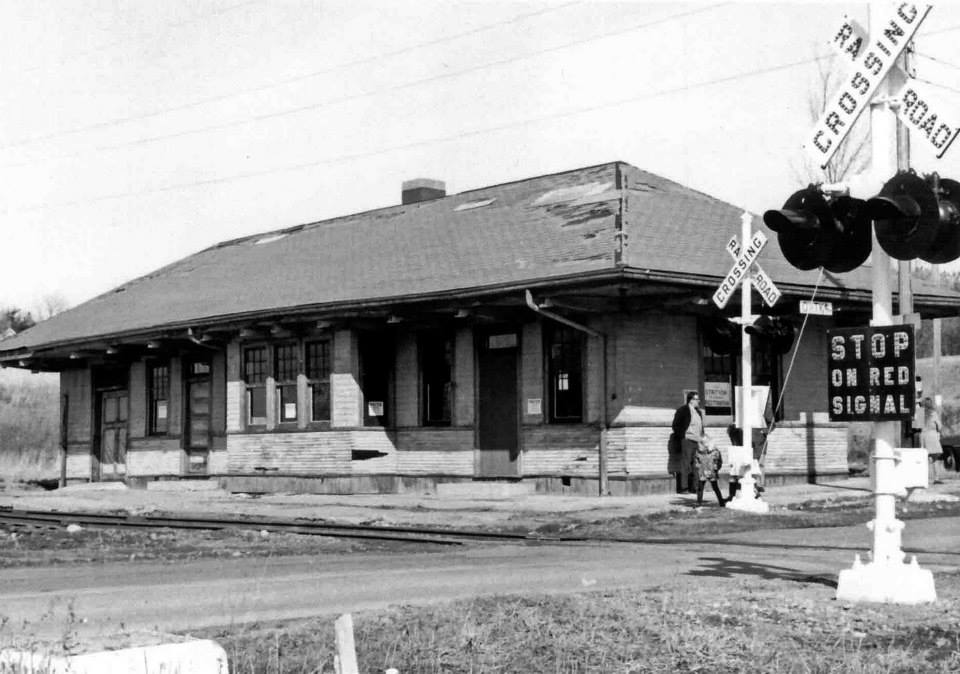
{"x":619,"y":289}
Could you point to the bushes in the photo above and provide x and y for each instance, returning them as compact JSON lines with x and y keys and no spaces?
{"x":29,"y":425}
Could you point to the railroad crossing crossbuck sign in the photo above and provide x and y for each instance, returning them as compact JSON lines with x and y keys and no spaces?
{"x":745,"y":265}
{"x":872,"y":65}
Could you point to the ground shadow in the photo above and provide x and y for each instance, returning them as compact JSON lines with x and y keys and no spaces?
{"x":721,"y":567}
{"x":828,"y":485}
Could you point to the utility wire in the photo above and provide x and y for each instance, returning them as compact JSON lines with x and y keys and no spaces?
{"x":176,"y":24}
{"x":937,"y":60}
{"x":937,"y":84}
{"x":939,"y":31}
{"x":435,"y":140}
{"x":284,"y":82}
{"x":786,"y":378}
{"x":353,"y":97}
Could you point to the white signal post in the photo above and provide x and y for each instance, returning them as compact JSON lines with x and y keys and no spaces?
{"x":886,"y":577}
{"x":744,"y":268}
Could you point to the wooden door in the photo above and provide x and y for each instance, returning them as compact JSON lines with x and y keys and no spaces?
{"x":112,"y":434}
{"x":197,"y":437}
{"x":376,"y":367}
{"x":498,"y":421}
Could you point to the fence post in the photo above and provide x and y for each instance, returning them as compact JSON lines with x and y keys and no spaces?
{"x":346,"y":659}
{"x":64,"y":421}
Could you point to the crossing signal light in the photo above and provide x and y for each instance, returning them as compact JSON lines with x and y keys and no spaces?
{"x":918,"y":217}
{"x":817,"y":230}
{"x":721,"y":336}
{"x":775,"y":331}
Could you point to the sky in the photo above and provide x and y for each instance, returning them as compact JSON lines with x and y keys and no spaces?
{"x":134,"y":133}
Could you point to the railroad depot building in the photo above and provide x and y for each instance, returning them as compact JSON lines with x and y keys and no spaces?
{"x":542,"y":330}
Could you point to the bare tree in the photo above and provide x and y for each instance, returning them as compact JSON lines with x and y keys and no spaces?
{"x":853,"y":155}
{"x":51,"y":304}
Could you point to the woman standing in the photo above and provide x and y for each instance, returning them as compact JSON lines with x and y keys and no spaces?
{"x":930,"y":438}
{"x":688,"y":427}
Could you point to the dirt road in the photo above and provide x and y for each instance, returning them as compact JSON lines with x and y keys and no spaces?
{"x":101,"y":599}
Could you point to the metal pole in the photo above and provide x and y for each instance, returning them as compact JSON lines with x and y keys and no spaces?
{"x":745,"y":498}
{"x":885,"y":578}
{"x":746,"y":357}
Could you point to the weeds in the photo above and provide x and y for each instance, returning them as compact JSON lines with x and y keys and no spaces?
{"x":729,"y":625}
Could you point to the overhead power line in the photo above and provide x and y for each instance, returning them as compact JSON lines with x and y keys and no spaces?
{"x":115,"y":43}
{"x":936,"y":59}
{"x":433,"y":141}
{"x":286,"y":81}
{"x":938,"y":31}
{"x":367,"y":94}
{"x":937,"y":84}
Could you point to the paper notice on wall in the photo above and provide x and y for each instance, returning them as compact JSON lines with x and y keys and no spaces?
{"x":375,"y":408}
{"x":290,"y":410}
{"x":162,"y":409}
{"x":534,"y":406}
{"x":755,"y":411}
{"x":716,"y":394}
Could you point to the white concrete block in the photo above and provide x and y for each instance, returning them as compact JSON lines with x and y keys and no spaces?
{"x":887,"y":583}
{"x":188,"y":656}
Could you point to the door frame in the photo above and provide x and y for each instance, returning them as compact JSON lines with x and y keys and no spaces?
{"x":188,"y":378}
{"x":96,"y":450}
{"x":479,"y":336}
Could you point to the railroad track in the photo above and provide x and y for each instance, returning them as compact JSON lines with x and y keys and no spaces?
{"x":58,"y":519}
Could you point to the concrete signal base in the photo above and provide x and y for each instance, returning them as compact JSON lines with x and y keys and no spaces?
{"x":887,"y":583}
{"x":746,"y":497}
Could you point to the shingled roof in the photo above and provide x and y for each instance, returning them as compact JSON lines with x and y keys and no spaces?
{"x":550,"y":228}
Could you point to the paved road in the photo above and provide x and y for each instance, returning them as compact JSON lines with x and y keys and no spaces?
{"x":213,"y":592}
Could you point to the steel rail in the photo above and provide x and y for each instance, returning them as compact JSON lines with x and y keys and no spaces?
{"x":299,"y":526}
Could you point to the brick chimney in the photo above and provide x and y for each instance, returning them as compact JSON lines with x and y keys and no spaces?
{"x":422,"y":189}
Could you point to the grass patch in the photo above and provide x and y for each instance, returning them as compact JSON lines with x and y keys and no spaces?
{"x":29,"y":427}
{"x":714,"y":520}
{"x":707,"y":624}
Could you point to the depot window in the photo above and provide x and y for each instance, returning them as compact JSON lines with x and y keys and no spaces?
{"x":158,"y":395}
{"x":318,"y":379}
{"x":436,"y":368}
{"x":564,"y":351}
{"x":255,"y":379}
{"x":286,"y":364}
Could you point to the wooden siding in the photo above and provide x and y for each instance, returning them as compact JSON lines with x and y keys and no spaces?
{"x":154,"y":456}
{"x":532,"y":372}
{"x":644,"y":448}
{"x":593,"y":373}
{"x":435,"y":451}
{"x":796,"y":447}
{"x":344,"y":381}
{"x":77,"y":385}
{"x":218,"y":393}
{"x":407,"y":380}
{"x":137,"y":427}
{"x":563,"y":450}
{"x":656,"y":356}
{"x":79,"y":461}
{"x":236,"y":406}
{"x":314,"y":453}
{"x":806,"y":389}
{"x":463,"y":378}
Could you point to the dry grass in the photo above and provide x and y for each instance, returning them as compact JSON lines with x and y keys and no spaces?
{"x":29,"y":426}
{"x":709,"y":623}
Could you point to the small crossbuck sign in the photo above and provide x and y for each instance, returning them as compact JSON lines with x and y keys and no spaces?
{"x":744,"y":258}
{"x":761,"y":282}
